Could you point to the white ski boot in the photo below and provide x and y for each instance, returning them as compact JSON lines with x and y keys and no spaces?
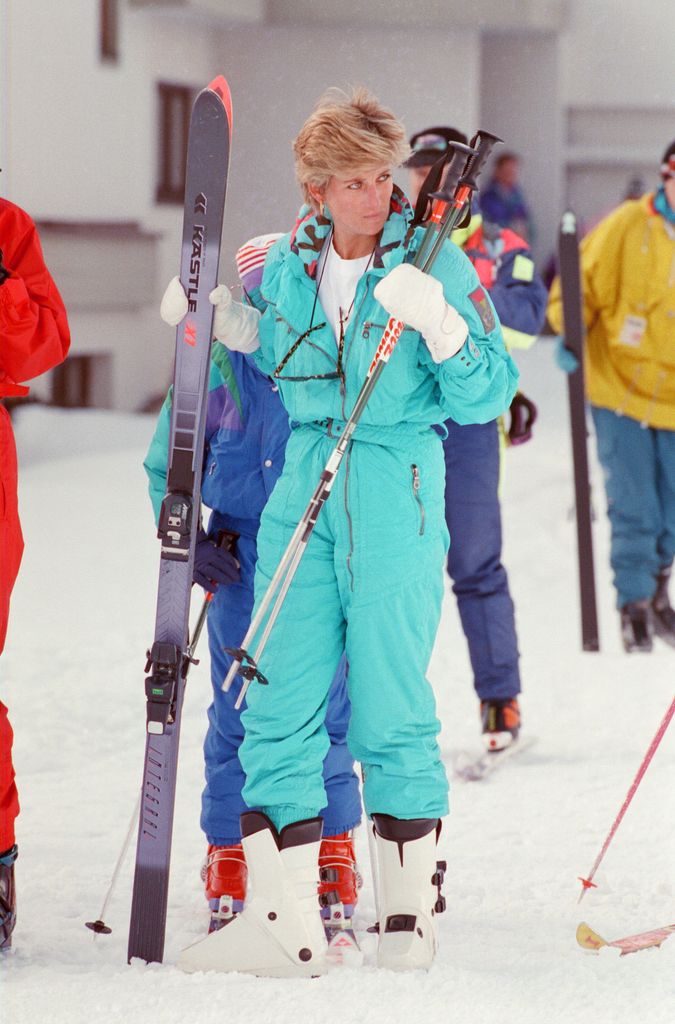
{"x":279,"y":934}
{"x":410,"y":881}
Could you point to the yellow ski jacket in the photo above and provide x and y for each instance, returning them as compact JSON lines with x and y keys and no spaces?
{"x":628,"y":279}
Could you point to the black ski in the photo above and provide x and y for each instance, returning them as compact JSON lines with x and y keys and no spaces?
{"x":570,"y":281}
{"x":169,"y":657}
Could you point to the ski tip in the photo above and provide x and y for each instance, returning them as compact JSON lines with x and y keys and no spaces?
{"x":221,"y":88}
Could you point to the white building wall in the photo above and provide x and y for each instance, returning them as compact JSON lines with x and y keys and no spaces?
{"x":277,"y":73}
{"x":617,"y":98}
{"x":619,"y":52}
{"x":520,"y":102}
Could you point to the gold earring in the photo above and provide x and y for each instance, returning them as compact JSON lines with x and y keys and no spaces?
{"x":321,"y":207}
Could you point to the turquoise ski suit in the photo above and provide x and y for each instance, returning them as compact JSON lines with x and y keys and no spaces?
{"x":371,"y":580}
{"x":246,"y":434}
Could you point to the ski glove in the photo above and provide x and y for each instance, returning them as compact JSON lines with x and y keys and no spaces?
{"x":213,"y":564}
{"x":174,"y":304}
{"x":417,"y":299}
{"x":566,"y":360}
{"x":234,"y":324}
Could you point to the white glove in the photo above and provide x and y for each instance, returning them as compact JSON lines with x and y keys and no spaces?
{"x":234,"y":324}
{"x":174,"y":303}
{"x":417,"y":299}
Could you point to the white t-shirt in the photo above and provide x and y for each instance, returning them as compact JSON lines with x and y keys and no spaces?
{"x":338,"y":280}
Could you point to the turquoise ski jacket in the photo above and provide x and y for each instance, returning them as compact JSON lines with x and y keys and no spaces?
{"x":474,"y":386}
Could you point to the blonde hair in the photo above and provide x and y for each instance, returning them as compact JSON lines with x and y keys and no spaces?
{"x":345,"y":134}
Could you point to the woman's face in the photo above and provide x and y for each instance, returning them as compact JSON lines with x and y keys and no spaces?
{"x":359,"y":204}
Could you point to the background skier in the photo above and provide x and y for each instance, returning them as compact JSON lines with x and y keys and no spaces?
{"x":34,"y":337}
{"x":628,"y":284}
{"x":472,"y":461}
{"x":503,"y":200}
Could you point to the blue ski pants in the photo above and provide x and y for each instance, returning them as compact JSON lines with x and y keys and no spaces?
{"x":639,"y":470}
{"x":370,"y":584}
{"x":222,"y":800}
{"x":480,"y":584}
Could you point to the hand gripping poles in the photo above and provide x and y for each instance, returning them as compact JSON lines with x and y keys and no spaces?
{"x":448,"y":207}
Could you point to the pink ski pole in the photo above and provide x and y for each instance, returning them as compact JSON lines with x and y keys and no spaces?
{"x":588,"y":883}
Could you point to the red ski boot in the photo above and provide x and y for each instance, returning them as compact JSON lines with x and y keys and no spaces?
{"x":339,"y":884}
{"x":225,"y":876}
{"x":501,"y":723}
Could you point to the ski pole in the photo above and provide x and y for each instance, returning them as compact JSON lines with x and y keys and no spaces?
{"x":99,"y":927}
{"x":572,"y":303}
{"x":447,"y":210}
{"x":588,"y":883}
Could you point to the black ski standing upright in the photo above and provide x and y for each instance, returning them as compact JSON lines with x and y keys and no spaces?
{"x":169,"y":658}
{"x":570,"y":282}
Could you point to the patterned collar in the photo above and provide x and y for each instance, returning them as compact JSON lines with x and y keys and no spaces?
{"x":312,"y":229}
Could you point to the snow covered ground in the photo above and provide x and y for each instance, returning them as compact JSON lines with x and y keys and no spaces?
{"x":72,"y":675}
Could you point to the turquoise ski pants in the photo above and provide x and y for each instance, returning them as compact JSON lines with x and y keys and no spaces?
{"x":639,"y":468}
{"x":371,"y":584}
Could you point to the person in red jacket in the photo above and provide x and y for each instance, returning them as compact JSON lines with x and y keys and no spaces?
{"x":34,"y":337}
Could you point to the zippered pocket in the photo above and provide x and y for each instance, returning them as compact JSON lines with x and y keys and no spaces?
{"x":416,"y":495}
{"x":370,"y":325}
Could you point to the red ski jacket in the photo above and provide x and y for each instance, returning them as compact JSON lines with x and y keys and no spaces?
{"x":34,"y":337}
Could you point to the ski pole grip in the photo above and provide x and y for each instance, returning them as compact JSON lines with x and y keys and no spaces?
{"x":482,"y":145}
{"x":454,"y":172}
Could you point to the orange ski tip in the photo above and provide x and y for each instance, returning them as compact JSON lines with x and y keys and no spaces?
{"x":221,"y":88}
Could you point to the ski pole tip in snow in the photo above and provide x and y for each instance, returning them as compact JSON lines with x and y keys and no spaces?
{"x":98,"y":927}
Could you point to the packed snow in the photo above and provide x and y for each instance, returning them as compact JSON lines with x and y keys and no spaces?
{"x":72,"y":676}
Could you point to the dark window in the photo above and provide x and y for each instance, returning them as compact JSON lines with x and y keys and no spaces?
{"x":109,"y":15}
{"x":175,"y":106}
{"x":82,"y":382}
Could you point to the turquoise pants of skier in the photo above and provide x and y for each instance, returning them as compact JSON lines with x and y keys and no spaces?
{"x":370,"y":584}
{"x":639,"y":469}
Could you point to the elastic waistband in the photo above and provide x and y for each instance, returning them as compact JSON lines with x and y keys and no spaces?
{"x":399,"y":435}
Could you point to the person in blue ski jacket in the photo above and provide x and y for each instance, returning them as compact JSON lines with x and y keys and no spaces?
{"x":371,"y":579}
{"x":246,"y":434}
{"x":505,"y":268}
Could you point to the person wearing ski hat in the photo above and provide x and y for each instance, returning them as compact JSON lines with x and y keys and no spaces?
{"x":246,"y":434}
{"x":370,"y":582}
{"x":34,"y":337}
{"x":628,"y":284}
{"x":505,"y":268}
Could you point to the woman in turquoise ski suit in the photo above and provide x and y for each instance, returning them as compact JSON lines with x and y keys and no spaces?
{"x":371,"y":580}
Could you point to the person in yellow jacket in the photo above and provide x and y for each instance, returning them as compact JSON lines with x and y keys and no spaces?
{"x":628,"y":279}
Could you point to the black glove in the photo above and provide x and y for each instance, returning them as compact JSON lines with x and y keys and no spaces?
{"x":523,"y":415}
{"x":215,"y":562}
